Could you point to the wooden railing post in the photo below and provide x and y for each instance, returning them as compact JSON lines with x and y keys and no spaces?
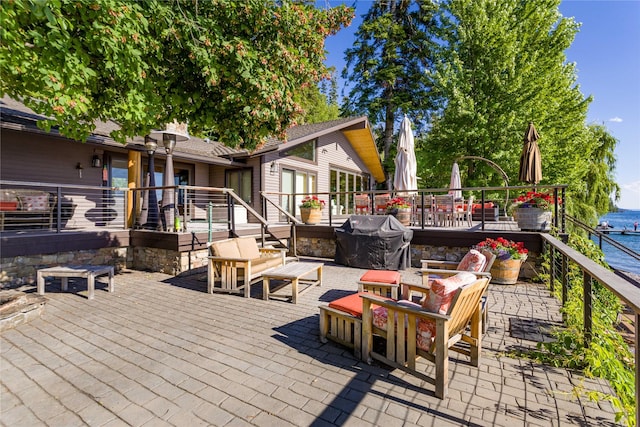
{"x":587,"y":309}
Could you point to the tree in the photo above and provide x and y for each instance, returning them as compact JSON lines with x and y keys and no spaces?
{"x":388,"y":66}
{"x":229,"y":68}
{"x":318,"y":105}
{"x":500,"y":65}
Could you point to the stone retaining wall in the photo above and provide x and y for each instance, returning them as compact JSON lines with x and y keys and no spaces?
{"x":16,"y":271}
{"x":326,"y":248}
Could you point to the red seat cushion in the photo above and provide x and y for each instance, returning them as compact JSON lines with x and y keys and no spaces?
{"x":381,"y":276}
{"x":351,"y":304}
{"x":8,"y":206}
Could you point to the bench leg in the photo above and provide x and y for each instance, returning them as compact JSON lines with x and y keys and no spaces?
{"x":112,"y":286}
{"x":40,"y":283}
{"x":265,"y":288}
{"x":91,"y":284}
{"x":64,"y":283}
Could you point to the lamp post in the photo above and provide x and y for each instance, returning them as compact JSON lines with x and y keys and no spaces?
{"x":149,"y":213}
{"x":173,"y":133}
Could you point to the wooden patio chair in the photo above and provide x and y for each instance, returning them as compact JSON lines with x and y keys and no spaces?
{"x":439,"y":268}
{"x":434,"y":268}
{"x":443,"y":210}
{"x":406,"y":339}
{"x":341,"y":319}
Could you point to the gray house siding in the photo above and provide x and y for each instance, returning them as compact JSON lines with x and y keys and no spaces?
{"x":332,"y":151}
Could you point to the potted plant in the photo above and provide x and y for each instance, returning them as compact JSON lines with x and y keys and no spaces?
{"x":311,"y":210}
{"x":401,"y":209}
{"x":532,"y":211}
{"x":509,"y":258}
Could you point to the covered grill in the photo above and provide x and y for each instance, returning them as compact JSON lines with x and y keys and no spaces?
{"x":377,"y":242}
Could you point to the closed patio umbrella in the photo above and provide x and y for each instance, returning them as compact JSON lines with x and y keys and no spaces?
{"x":405,"y":179}
{"x":530,"y":159}
{"x":455,"y":183}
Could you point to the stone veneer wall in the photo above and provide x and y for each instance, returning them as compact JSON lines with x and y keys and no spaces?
{"x":326,"y":248}
{"x":20,"y":270}
{"x":168,"y":261}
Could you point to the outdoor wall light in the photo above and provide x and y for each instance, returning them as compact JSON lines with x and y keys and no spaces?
{"x":96,"y":161}
{"x":79,"y":168}
{"x":273,"y":168}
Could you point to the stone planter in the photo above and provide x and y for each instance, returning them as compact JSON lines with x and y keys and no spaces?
{"x":505,"y":272}
{"x":403,"y":215}
{"x":311,"y":216}
{"x":533,"y":219}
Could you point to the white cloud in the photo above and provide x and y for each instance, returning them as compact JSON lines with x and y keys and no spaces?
{"x":630,"y":195}
{"x":616,"y":120}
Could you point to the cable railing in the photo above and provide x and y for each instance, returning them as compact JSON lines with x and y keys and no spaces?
{"x":483,"y":204}
{"x":603,"y":237}
{"x":562,"y":258}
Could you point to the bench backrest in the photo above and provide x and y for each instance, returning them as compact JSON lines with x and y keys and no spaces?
{"x":239,"y":247}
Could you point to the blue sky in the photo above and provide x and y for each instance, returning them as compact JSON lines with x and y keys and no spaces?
{"x":607,"y":56}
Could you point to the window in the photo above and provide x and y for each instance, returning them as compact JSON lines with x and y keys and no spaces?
{"x":342,"y":184}
{"x":306,"y":150}
{"x":241,"y":182}
{"x":295,"y":182}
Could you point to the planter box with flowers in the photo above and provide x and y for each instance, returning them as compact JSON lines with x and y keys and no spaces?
{"x":532,"y":211}
{"x":401,"y":209}
{"x":311,"y":210}
{"x":509,"y":258}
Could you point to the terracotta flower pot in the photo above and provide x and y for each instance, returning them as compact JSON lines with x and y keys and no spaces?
{"x":311,"y":216}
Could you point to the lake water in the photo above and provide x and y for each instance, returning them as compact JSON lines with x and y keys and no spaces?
{"x":615,"y":258}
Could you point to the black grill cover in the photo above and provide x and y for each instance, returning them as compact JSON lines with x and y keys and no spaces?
{"x":376,"y":242}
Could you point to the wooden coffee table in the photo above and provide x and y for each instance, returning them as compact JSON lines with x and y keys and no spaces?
{"x":90,"y":272}
{"x":294,"y":273}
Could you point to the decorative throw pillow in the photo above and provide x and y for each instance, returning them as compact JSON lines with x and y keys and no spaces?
{"x":425,"y":329}
{"x":472,"y":261}
{"x":380,"y":314}
{"x":35,"y":203}
{"x":442,"y":292}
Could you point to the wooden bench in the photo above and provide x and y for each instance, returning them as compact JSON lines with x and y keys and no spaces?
{"x":238,"y":262}
{"x":90,"y":272}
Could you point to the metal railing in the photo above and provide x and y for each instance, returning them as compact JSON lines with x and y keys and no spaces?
{"x":562,"y":256}
{"x":31,"y":206}
{"x":603,"y":237}
{"x":339,"y":205}
{"x":36,"y":207}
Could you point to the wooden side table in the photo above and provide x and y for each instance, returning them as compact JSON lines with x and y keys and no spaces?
{"x":90,"y":272}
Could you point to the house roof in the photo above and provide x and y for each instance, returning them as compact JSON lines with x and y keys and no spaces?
{"x":15,"y":115}
{"x":356,"y":129}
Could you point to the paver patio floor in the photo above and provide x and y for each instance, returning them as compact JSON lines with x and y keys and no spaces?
{"x":161,"y":351}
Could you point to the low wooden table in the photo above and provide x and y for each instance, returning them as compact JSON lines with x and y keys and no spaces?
{"x":293,"y":272}
{"x":90,"y":272}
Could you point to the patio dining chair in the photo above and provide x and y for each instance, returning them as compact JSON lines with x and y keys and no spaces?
{"x":413,"y":331}
{"x":443,"y":210}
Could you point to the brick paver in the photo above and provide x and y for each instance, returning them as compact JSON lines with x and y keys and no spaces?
{"x":161,"y":351}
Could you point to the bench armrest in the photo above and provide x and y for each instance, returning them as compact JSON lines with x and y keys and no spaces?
{"x":431,"y":263}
